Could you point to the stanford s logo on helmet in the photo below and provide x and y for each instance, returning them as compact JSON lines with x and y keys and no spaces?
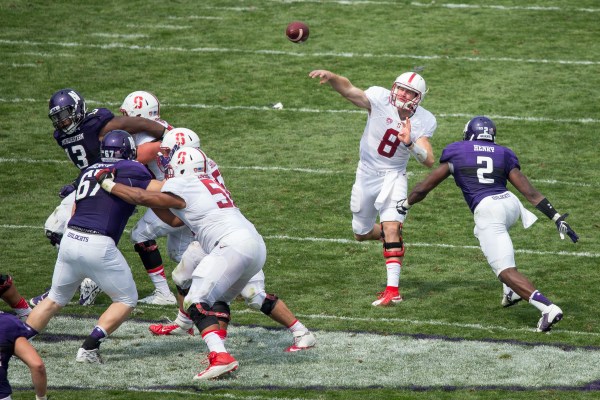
{"x":480,"y":128}
{"x":117,"y":145}
{"x":141,"y":104}
{"x":66,"y":110}
{"x":408,"y":81}
{"x":185,"y":162}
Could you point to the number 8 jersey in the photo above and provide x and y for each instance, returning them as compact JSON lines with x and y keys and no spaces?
{"x":380,"y":148}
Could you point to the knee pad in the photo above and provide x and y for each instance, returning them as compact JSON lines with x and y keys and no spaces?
{"x":269,"y":304}
{"x":387,"y":253}
{"x":222,"y":311}
{"x":6,"y":282}
{"x":202,"y":316}
{"x":149,"y":254}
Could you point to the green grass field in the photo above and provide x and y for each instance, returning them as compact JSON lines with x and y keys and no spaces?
{"x":217,"y":66}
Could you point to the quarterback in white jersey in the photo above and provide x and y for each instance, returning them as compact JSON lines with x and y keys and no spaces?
{"x":236,"y":251}
{"x":397,"y":126}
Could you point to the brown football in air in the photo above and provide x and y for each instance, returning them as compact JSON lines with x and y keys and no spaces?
{"x":297,"y":32}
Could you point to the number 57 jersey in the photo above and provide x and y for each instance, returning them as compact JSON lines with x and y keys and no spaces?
{"x":480,"y":168}
{"x":210,"y":212}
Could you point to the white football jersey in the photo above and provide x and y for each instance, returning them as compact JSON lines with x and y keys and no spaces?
{"x":210,"y":212}
{"x":380,"y":148}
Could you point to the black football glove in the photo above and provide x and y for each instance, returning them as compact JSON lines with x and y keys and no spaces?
{"x":563,"y":228}
{"x":66,"y":190}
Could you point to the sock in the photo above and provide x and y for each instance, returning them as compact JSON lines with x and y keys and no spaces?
{"x":214,"y":342}
{"x":22,"y":309}
{"x":183,"y":320}
{"x":540,"y":302}
{"x":93,"y":341}
{"x":297,"y":326}
{"x":158,"y":278}
{"x":393,"y":273}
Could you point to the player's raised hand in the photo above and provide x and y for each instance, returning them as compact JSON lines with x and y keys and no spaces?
{"x":564,"y":228}
{"x":404,"y":134}
{"x":324,"y":75}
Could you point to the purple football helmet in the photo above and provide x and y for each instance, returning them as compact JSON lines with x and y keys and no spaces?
{"x":480,"y":128}
{"x":66,"y":110}
{"x":117,"y":145}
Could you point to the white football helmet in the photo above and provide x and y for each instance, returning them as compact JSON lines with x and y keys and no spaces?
{"x":177,"y":138}
{"x":408,"y":81}
{"x":141,"y":104}
{"x":185,"y":162}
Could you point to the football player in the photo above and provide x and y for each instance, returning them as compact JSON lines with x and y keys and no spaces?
{"x":481,"y":168}
{"x":14,"y":335}
{"x":89,"y":245}
{"x":188,"y":257}
{"x":79,"y":133}
{"x":235,"y":250}
{"x":385,"y":148}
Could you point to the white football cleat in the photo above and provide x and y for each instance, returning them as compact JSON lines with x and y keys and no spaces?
{"x":89,"y":356}
{"x":302,"y":340}
{"x":88,"y":291}
{"x":159,"y":298}
{"x":549,"y":318}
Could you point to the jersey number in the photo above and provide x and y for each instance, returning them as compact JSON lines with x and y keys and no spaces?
{"x":86,"y":183}
{"x":487,"y":164}
{"x":389,"y":143}
{"x":78,"y":156}
{"x":216,"y":189}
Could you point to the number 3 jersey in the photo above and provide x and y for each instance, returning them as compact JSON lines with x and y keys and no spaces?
{"x":210,"y":212}
{"x":380,"y":148}
{"x":97,"y":210}
{"x":480,"y":168}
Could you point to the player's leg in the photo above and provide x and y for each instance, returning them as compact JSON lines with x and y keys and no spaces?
{"x":144,"y":235}
{"x":493,"y":218}
{"x":12,"y":297}
{"x":275,"y":308}
{"x":107,"y":266}
{"x":182,"y":277}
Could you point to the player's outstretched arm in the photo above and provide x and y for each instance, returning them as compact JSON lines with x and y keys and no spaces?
{"x":134,"y":125}
{"x":520,"y":181}
{"x":421,"y":190}
{"x":343,"y":86}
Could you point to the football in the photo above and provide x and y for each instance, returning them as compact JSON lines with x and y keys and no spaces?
{"x":297,"y":32}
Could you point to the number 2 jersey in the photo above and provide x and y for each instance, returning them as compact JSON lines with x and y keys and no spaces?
{"x":210,"y":212}
{"x":380,"y":148}
{"x":98,"y":211}
{"x":83,"y":146}
{"x":480,"y":168}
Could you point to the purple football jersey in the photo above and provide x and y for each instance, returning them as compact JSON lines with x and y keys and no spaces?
{"x":97,"y":211}
{"x":480,"y":168}
{"x":83,"y":146}
{"x":11,"y":328}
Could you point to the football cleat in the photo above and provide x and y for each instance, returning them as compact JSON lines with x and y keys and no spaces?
{"x":510,"y":298}
{"x":34,"y":301}
{"x":173,"y":329}
{"x":303,"y":340}
{"x":159,"y":298}
{"x":218,"y":364}
{"x":387,"y":297}
{"x":549,"y":318}
{"x":89,"y":356}
{"x":88,"y":291}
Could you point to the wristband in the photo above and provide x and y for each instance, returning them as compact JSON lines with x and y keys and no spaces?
{"x":546,"y":208}
{"x":41,"y":397}
{"x":108,"y":185}
{"x":409,"y":145}
{"x":419,"y":153}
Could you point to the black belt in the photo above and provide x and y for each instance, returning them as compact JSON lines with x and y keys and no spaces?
{"x":84,"y":230}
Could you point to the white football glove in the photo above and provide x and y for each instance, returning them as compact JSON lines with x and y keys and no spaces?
{"x":402,"y":206}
